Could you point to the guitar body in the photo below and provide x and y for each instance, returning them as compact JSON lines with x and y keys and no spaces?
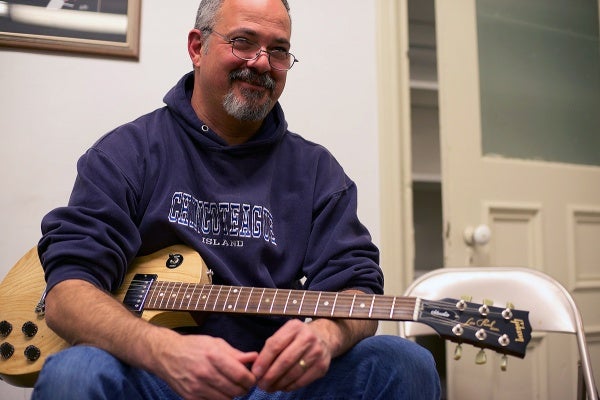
{"x":23,"y":288}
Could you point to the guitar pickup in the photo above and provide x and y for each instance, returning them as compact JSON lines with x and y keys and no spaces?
{"x":136,"y":294}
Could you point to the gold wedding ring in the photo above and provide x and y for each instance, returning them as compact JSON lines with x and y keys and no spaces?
{"x":302,"y":364}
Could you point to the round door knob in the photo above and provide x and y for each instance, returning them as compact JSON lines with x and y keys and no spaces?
{"x":477,"y":236}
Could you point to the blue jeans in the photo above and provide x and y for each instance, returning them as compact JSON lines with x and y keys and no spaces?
{"x":379,"y":367}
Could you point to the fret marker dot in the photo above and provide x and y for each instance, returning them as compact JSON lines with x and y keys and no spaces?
{"x":161,"y":294}
{"x":229,"y":307}
{"x":235,"y":290}
{"x":326,"y":303}
{"x":362,"y":305}
{"x":267,"y":300}
{"x":295,"y":302}
{"x":204,"y":297}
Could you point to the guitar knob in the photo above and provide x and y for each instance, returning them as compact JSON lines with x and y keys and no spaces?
{"x":29,"y":329}
{"x":32,"y":353}
{"x":5,"y":328}
{"x":6,"y":350}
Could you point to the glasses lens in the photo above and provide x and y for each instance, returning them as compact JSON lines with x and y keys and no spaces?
{"x":280,"y":59}
{"x":247,"y":50}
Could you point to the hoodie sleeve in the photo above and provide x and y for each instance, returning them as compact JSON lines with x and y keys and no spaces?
{"x":340,"y":253}
{"x":95,"y":237}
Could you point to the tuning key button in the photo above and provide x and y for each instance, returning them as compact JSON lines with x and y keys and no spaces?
{"x":5,"y":328}
{"x":29,"y":329}
{"x":6,"y":350}
{"x":32,"y":353}
{"x":504,"y":340}
{"x":481,"y":334}
{"x":458,"y":330}
{"x":461,"y":305}
{"x":507,"y":314}
{"x":484,"y":310}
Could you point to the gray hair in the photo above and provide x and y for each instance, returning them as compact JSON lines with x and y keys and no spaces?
{"x":206,"y":17}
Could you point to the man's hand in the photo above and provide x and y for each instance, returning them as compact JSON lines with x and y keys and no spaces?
{"x":299,"y":353}
{"x":202,"y":367}
{"x":293,"y":357}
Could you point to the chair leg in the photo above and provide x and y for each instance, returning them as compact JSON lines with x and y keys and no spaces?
{"x":581,"y":393}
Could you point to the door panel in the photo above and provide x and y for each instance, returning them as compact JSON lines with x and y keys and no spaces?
{"x":542,"y":214}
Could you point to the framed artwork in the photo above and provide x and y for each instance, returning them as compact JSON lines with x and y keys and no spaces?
{"x":101,"y":27}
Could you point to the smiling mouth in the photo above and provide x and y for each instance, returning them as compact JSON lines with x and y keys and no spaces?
{"x":252,"y":80}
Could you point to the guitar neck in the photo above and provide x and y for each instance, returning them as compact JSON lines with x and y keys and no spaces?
{"x":180,"y":296}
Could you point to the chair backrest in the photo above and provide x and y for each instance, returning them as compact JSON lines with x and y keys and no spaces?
{"x":551,"y":307}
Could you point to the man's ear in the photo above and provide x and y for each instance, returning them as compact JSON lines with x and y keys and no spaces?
{"x":195,"y":46}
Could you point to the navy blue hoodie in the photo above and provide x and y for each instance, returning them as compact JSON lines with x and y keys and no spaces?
{"x":265,"y":213}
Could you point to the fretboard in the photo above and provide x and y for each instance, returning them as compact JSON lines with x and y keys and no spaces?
{"x":181,"y":296}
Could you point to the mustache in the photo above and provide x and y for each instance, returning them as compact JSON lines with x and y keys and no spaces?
{"x":248,"y":75}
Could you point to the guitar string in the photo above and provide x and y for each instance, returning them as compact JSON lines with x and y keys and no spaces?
{"x":377,"y":309}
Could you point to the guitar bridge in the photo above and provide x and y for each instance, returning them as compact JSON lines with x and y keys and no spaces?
{"x":136,"y":294}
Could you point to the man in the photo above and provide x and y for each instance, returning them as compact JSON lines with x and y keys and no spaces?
{"x":217,"y":170}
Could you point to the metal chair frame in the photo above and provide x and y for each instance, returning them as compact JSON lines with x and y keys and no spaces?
{"x":529,"y":289}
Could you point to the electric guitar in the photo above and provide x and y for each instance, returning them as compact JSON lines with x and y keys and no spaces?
{"x":164,"y":287}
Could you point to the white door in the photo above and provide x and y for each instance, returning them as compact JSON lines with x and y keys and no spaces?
{"x":513,"y":160}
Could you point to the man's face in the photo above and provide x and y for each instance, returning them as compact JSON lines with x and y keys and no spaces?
{"x":246,"y":90}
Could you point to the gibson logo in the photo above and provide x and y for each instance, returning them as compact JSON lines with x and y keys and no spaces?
{"x":483,"y":323}
{"x":519,"y":326}
{"x":439,"y":313}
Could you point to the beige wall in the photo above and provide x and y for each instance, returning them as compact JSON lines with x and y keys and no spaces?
{"x":53,"y":106}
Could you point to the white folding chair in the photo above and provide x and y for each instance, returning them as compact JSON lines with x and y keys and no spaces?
{"x":551,"y":307}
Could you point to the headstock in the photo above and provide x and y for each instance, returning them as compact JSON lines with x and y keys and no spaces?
{"x":504,"y":330}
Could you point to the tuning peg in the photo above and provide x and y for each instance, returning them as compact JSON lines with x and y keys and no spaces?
{"x":458,"y":352}
{"x":481,"y":357}
{"x":507,"y":312}
{"x":504,"y":362}
{"x":466,"y":298}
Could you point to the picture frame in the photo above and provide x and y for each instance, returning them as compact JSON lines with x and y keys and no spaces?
{"x":97,"y":27}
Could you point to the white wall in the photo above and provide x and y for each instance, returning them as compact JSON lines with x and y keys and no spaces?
{"x":53,"y":106}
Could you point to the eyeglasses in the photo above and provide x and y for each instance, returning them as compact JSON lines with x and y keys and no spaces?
{"x":246,"y":50}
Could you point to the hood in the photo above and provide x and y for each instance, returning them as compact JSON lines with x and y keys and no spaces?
{"x":178,"y":101}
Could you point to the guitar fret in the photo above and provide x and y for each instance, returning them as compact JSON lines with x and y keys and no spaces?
{"x":334,"y":303}
{"x":392,"y":308}
{"x":207,"y":296}
{"x":352,"y":307}
{"x":317,"y":304}
{"x":286,"y":301}
{"x":301,"y":302}
{"x":371,"y":308}
{"x":237,"y":298}
{"x":226,"y":299}
{"x":217,"y":298}
{"x":249,"y":297}
{"x":260,"y":300}
{"x":273,"y":302}
{"x":186,"y":296}
{"x":161,"y":296}
{"x":199,"y":297}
